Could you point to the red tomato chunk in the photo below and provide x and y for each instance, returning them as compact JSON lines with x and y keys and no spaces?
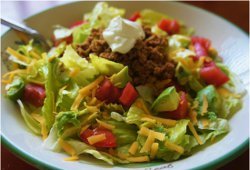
{"x":135,"y":16}
{"x":76,"y":24}
{"x":201,"y":46}
{"x":129,"y":94}
{"x":34,"y":94}
{"x":56,"y":42}
{"x":108,"y":92}
{"x":212,"y":74}
{"x":109,"y":142}
{"x":170,"y":26}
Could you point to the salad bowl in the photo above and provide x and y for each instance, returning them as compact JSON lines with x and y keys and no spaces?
{"x":232,"y":45}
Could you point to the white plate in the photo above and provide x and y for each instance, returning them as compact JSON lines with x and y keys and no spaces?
{"x":230,"y":41}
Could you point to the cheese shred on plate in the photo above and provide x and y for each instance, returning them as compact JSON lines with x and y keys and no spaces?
{"x":96,"y":138}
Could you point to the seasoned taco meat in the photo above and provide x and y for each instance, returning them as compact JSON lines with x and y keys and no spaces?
{"x":147,"y":60}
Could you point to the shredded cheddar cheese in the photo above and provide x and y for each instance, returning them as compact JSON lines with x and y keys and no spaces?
{"x":106,"y":125}
{"x":146,"y":119}
{"x":174,"y":147}
{"x":193,"y":116}
{"x":154,"y":149}
{"x":150,"y":140}
{"x":168,"y":122}
{"x":133,"y":148}
{"x":18,"y":55}
{"x":157,"y":135}
{"x":204,"y":105}
{"x":139,"y":103}
{"x":138,"y":159}
{"x":84,"y":128}
{"x":35,"y":55}
{"x":96,"y":138}
{"x":72,"y":158}
{"x":192,"y":129}
{"x":85,"y":91}
{"x":67,"y":147}
{"x":205,"y":122}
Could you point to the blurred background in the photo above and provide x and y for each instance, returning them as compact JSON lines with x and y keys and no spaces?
{"x":235,"y":12}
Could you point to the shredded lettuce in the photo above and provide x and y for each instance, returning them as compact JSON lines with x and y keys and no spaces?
{"x":213,"y":99}
{"x":66,"y":118}
{"x":15,"y":89}
{"x":66,"y":96}
{"x":85,"y":71}
{"x":29,"y":120}
{"x":100,"y":16}
{"x":151,"y":17}
{"x":52,"y":141}
{"x":125,"y":133}
{"x":56,"y":78}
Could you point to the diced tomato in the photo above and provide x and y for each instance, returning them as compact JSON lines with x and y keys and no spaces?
{"x":201,"y":46}
{"x":135,"y":16}
{"x":170,"y":26}
{"x":181,"y":111}
{"x":200,"y":50}
{"x":34,"y":94}
{"x":129,"y":94}
{"x":76,"y":24}
{"x":212,"y":74}
{"x":56,"y":42}
{"x":109,"y":142}
{"x":206,"y":43}
{"x":108,"y":92}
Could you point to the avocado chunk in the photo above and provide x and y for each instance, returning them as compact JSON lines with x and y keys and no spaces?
{"x":104,"y":66}
{"x":168,"y":100}
{"x":121,"y":78}
{"x":15,"y":89}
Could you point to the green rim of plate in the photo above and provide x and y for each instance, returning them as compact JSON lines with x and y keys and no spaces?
{"x":210,"y":165}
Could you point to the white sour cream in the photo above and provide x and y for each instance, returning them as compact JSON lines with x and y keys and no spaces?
{"x":121,"y":34}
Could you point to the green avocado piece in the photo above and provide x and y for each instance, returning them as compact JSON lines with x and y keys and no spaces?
{"x":104,"y":66}
{"x":121,"y":78}
{"x":168,"y":100}
{"x":15,"y":89}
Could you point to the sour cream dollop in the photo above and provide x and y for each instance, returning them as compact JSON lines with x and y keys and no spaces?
{"x":121,"y":34}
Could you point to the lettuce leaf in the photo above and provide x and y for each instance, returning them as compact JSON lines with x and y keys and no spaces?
{"x":217,"y":124}
{"x":67,"y":96}
{"x":52,"y":141}
{"x":15,"y":89}
{"x":56,"y":78}
{"x":152,"y":17}
{"x":229,"y":106}
{"x":30,"y":121}
{"x":82,"y":148}
{"x":125,"y":133}
{"x":213,"y":99}
{"x":66,"y":118}
{"x":134,"y":115}
{"x":72,"y":61}
{"x":100,"y":16}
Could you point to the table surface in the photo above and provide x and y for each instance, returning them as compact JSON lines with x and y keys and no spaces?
{"x":236,"y":12}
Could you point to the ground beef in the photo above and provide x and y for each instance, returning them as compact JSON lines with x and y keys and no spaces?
{"x":147,"y":60}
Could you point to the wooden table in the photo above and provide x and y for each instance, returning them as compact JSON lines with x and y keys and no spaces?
{"x":236,"y":12}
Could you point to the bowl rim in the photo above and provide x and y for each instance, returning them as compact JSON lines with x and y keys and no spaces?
{"x":25,"y":156}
